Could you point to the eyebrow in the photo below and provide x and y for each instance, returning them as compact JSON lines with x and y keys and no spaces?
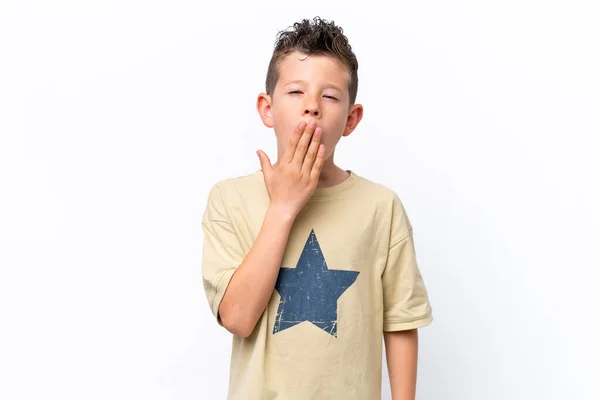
{"x":328,"y":85}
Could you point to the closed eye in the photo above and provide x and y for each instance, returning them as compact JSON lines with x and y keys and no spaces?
{"x":330,"y":97}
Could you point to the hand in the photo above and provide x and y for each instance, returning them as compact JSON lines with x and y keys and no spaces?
{"x":291,"y":183}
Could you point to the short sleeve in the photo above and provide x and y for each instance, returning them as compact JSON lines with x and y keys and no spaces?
{"x":221,"y":253}
{"x":405,"y":299}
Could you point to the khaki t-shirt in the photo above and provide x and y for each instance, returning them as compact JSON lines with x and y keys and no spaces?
{"x":348,"y":273}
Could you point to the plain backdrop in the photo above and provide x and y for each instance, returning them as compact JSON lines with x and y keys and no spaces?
{"x":116,"y":117}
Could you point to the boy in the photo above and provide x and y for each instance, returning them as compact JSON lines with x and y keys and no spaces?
{"x":307,"y":264}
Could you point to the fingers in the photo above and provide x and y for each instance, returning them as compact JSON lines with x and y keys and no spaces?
{"x":303,"y":144}
{"x":293,"y":142}
{"x":265,"y":162}
{"x":311,"y":153}
{"x":317,"y":166}
{"x":305,"y":149}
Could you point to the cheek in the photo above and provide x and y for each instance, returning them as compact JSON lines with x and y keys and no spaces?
{"x":284,"y":126}
{"x":330,"y":142}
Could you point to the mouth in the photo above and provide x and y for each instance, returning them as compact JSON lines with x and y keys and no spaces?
{"x":317,"y":126}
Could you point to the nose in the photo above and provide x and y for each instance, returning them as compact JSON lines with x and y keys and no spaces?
{"x":311,"y":111}
{"x":311,"y":107}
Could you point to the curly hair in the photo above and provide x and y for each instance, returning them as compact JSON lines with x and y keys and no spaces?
{"x":322,"y":37}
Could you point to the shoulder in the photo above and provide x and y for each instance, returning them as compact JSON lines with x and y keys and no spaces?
{"x":237,"y":180}
{"x":379,"y":192}
{"x":389,"y":206}
{"x":228,"y":194}
{"x":238,"y":183}
{"x":240,"y":189}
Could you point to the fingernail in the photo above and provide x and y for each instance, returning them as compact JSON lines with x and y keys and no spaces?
{"x":302,"y":125}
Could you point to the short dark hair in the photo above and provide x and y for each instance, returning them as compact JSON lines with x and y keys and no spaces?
{"x":320,"y":37}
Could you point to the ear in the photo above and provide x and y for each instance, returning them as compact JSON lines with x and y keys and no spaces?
{"x":354,"y":116}
{"x":263,"y":106}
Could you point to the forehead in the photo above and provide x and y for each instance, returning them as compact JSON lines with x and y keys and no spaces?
{"x":314,"y":68}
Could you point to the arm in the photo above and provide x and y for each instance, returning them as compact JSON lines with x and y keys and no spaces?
{"x":252,"y":283}
{"x":289,"y":185}
{"x":401,"y":348}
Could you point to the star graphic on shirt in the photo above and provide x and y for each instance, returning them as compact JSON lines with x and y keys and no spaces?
{"x":310,"y":291}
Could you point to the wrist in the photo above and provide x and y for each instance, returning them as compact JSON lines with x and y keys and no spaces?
{"x":282,"y":213}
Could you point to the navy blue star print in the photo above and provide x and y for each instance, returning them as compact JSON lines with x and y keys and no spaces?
{"x":310,"y":291}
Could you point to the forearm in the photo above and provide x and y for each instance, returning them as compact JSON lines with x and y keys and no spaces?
{"x":401,"y":350}
{"x":252,"y":284}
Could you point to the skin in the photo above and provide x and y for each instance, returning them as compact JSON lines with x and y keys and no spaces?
{"x":401,"y":349}
{"x":311,"y":100}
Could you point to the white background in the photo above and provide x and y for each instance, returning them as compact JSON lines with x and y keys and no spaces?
{"x":116,"y":117}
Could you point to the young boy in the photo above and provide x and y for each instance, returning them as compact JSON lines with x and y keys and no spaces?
{"x":305,"y":263}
